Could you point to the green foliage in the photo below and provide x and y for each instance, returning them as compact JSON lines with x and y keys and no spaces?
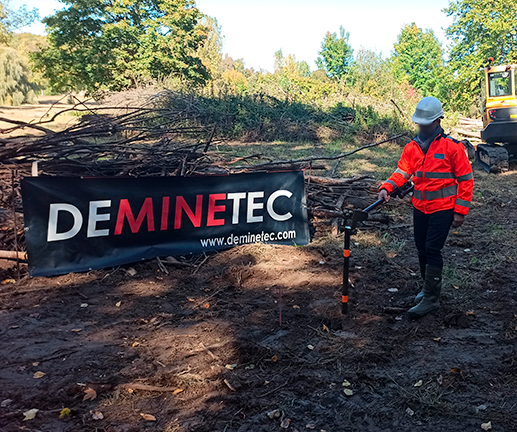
{"x":304,"y":69}
{"x":25,"y":44}
{"x":15,"y":87}
{"x":210,"y":51}
{"x":265,"y":118}
{"x":95,"y":44}
{"x":418,"y":58}
{"x":336,"y":55}
{"x":480,"y":29}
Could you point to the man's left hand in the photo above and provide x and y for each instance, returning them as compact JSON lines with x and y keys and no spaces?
{"x":458,"y":220}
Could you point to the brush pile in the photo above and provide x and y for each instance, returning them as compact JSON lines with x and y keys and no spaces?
{"x":150,"y":139}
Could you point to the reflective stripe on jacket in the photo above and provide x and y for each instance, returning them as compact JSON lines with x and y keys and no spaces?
{"x":443,"y":177}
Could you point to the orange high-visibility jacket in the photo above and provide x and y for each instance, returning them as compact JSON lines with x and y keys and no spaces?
{"x":443,"y":177}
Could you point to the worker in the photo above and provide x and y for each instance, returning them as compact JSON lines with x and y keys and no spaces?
{"x":443,"y":181}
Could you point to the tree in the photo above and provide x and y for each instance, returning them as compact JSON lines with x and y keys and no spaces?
{"x":15,"y":87}
{"x":480,"y":29}
{"x":418,"y":58}
{"x":336,"y":55}
{"x":11,"y":20}
{"x":304,"y":69}
{"x":279,"y":61}
{"x":97,"y":44}
{"x":210,"y":51}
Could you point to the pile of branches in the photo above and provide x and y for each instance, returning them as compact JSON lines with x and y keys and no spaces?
{"x":152,"y":139}
{"x":110,"y":141}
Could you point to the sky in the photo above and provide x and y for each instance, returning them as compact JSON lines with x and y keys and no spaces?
{"x":255,"y":29}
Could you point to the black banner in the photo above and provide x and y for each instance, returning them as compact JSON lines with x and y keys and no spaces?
{"x":79,"y":224}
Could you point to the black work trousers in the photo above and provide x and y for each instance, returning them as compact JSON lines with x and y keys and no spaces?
{"x":431,"y":231}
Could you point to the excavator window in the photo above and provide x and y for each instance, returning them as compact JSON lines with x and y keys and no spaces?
{"x":500,"y":84}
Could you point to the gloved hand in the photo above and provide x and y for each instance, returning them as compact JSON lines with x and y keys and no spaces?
{"x":458,"y":220}
{"x":383,"y":194}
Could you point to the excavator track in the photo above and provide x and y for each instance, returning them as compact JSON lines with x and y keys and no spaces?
{"x":493,"y":158}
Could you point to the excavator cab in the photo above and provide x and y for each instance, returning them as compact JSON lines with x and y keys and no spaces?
{"x":499,"y":118}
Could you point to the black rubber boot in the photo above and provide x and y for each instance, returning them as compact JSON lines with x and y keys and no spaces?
{"x":420,"y":295}
{"x":432,"y":290}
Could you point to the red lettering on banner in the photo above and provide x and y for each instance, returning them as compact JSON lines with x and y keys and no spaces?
{"x":165,"y":213}
{"x":181,"y":205}
{"x":212,"y":209}
{"x":125,"y":211}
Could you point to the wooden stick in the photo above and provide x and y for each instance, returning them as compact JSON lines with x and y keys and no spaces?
{"x":13,"y":255}
{"x":333,"y":181}
{"x":13,"y":174}
{"x":339,"y":156}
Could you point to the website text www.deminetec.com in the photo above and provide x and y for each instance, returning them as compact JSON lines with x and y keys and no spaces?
{"x":234,"y":240}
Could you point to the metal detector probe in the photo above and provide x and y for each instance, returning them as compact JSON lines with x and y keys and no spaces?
{"x":360,"y":216}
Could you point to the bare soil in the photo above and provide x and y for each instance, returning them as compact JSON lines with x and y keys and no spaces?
{"x":213,"y":331}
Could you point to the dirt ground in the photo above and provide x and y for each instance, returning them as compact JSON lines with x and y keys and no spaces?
{"x":252,"y":339}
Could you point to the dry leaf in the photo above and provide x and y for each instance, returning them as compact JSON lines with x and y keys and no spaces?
{"x":346,"y":383}
{"x":130,"y":390}
{"x":419,"y":383}
{"x":76,"y":330}
{"x":348,"y":392}
{"x":325,"y":328}
{"x":410,"y":412}
{"x":486,"y":426}
{"x":90,"y":394}
{"x":285,"y":423}
{"x":455,"y":370}
{"x":38,"y":374}
{"x":5,"y":402}
{"x":118,"y":304}
{"x":311,"y":347}
{"x":148,"y":417}
{"x":131,"y":271}
{"x":274,"y":414}
{"x":438,"y":339}
{"x":64,"y":413}
{"x":29,"y":415}
{"x":231,"y":366}
{"x":206,"y":305}
{"x":296,"y":307}
{"x":35,"y":364}
{"x":97,"y":415}
{"x":470,"y":312}
{"x":135,"y":344}
{"x":84,"y":305}
{"x":274,"y":358}
{"x":8,"y":281}
{"x":177,"y":391}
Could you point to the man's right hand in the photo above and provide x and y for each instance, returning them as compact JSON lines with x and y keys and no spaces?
{"x":383,"y":194}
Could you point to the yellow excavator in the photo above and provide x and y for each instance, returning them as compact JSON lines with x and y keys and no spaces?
{"x":499,"y":118}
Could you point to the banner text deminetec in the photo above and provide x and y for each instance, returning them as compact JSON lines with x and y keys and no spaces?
{"x":79,"y":224}
{"x":211,"y":206}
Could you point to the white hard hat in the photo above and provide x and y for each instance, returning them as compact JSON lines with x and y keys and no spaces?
{"x":428,"y":110}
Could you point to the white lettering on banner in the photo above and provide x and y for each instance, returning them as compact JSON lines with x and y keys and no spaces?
{"x":255,"y":203}
{"x":236,"y":197}
{"x":252,"y":206}
{"x":52,"y":234}
{"x":270,"y":202}
{"x":94,"y":217}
